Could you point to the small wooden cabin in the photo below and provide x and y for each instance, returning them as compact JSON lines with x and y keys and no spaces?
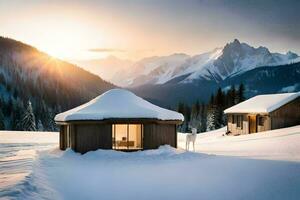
{"x":264,"y":112}
{"x":118,"y":120}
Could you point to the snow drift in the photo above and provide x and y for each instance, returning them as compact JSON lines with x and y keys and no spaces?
{"x":165,"y":173}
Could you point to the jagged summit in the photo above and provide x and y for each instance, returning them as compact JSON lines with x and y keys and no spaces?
{"x":234,"y":58}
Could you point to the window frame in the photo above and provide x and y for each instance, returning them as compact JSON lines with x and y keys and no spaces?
{"x":114,"y":144}
{"x":261,"y":120}
{"x":239,"y":121}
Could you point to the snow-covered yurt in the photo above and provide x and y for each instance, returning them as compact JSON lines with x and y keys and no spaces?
{"x":120,"y":120}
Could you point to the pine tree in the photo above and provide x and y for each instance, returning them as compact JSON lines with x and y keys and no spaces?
{"x":240,"y":93}
{"x":186,"y":111}
{"x":211,"y":119}
{"x":187,"y":116}
{"x":180,"y":107}
{"x":203,"y":118}
{"x":231,"y":97}
{"x":219,"y":99}
{"x":7,"y":109}
{"x":2,"y":125}
{"x":219,"y":105}
{"x":194,"y":118}
{"x":16,"y":117}
{"x":50,"y":120}
{"x":210,"y":116}
{"x":28,"y":120}
{"x":40,"y":126}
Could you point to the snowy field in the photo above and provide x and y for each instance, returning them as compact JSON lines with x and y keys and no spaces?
{"x":166,"y":173}
{"x":280,"y":144}
{"x":18,"y":151}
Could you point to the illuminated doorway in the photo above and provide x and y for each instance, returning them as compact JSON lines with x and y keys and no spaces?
{"x":127,"y":136}
{"x":252,"y":124}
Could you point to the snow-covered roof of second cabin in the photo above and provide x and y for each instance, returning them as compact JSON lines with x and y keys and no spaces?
{"x":118,"y":104}
{"x":263,"y":103}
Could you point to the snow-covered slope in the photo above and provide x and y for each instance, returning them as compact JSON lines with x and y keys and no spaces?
{"x":159,"y":70}
{"x":111,"y":68}
{"x":279,"y":144}
{"x":154,"y":70}
{"x":239,"y":57}
{"x":234,"y":58}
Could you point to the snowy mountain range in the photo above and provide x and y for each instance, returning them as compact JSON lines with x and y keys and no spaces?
{"x":110,"y":67}
{"x":234,"y":58}
{"x":260,"y":80}
{"x":199,"y":76}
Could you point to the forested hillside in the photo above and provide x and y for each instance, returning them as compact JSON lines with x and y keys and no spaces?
{"x":29,"y":77}
{"x":268,"y":80}
{"x":210,"y":116}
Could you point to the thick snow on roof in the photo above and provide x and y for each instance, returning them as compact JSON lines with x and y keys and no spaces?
{"x":118,"y":103}
{"x":263,"y":103}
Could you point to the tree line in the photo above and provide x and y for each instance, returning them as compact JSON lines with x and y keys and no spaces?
{"x":210,"y":116}
{"x":16,"y":115}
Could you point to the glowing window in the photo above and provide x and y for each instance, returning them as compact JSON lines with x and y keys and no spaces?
{"x":127,"y":136}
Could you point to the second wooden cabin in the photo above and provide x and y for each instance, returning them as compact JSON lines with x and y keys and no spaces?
{"x":264,"y":112}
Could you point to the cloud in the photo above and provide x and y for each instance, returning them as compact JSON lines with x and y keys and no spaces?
{"x":103,"y":50}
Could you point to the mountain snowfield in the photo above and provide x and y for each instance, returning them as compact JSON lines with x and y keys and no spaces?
{"x":264,"y":166}
{"x":218,"y":64}
{"x":155,"y":70}
{"x":110,"y":67}
{"x":234,"y":58}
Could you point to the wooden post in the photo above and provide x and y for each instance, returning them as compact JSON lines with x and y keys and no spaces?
{"x":62,"y":141}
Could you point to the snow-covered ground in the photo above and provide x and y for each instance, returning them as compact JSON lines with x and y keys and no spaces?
{"x":280,"y":144}
{"x":18,"y":152}
{"x":165,"y":173}
{"x":21,"y":137}
{"x":168,"y":173}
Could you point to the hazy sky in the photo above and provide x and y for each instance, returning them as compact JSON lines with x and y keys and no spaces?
{"x":136,"y":28}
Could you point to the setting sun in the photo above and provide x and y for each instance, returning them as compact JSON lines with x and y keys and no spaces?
{"x":66,"y":39}
{"x":65,"y":45}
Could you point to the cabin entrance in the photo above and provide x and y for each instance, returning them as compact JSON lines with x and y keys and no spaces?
{"x":127,"y":136}
{"x":252,"y":124}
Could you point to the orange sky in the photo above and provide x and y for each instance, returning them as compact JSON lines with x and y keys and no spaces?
{"x":75,"y":30}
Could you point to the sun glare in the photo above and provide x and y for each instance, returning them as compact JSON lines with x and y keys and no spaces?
{"x":63,"y":44}
{"x":67,"y":39}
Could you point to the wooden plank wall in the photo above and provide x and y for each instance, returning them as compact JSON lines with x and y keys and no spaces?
{"x":237,"y":130}
{"x":90,"y":137}
{"x":87,"y":137}
{"x":156,"y":135}
{"x":62,"y":137}
{"x":72,"y":136}
{"x":287,"y":115}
